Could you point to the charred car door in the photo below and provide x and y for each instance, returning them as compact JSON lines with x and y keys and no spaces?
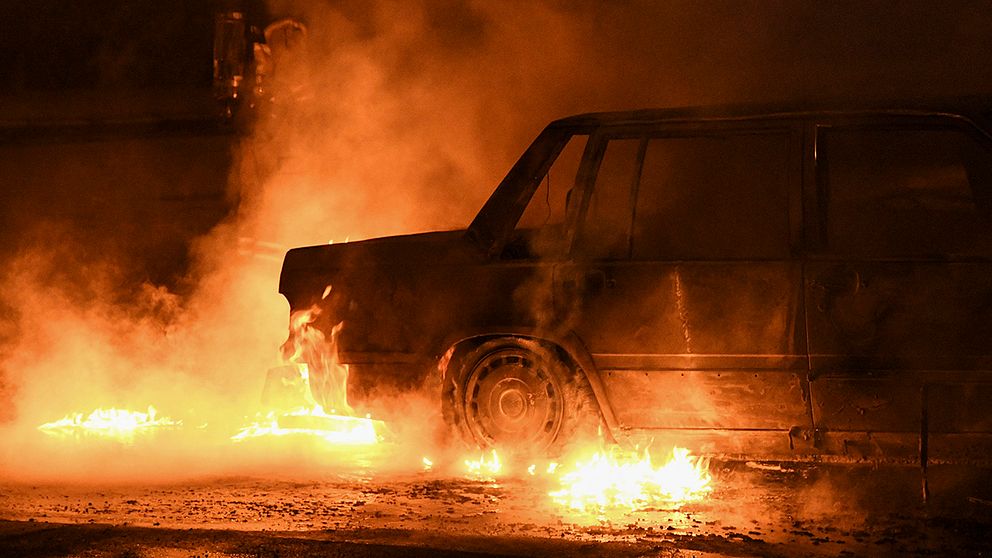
{"x":900,"y":289}
{"x":684,"y":286}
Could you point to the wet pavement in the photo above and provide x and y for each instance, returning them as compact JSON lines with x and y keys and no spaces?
{"x":755,"y":509}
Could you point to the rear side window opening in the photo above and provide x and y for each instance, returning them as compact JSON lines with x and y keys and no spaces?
{"x":904,"y":192}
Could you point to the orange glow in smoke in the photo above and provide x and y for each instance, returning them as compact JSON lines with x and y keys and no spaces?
{"x":115,"y":424}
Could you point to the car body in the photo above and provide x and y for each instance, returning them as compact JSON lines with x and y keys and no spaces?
{"x":780,"y":282}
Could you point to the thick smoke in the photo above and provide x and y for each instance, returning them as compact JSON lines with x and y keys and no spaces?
{"x":392,"y":117}
{"x":398,"y":116}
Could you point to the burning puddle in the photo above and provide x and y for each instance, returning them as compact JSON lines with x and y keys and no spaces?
{"x":305,"y":423}
{"x":303,"y":464}
{"x":293,"y":476}
{"x":113,"y":424}
{"x":604,"y":481}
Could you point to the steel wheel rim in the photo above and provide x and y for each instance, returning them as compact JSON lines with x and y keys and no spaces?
{"x":513,"y":396}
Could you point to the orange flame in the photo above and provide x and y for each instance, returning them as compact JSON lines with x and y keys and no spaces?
{"x":614,"y":480}
{"x":322,"y":382}
{"x":116,"y":424}
{"x":483,"y":467}
{"x":629,"y":480}
{"x":307,"y":345}
{"x":334,"y":429}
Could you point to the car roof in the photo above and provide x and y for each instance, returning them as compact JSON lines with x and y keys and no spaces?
{"x":976,"y":109}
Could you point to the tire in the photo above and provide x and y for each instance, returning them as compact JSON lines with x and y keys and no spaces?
{"x":518,"y":396}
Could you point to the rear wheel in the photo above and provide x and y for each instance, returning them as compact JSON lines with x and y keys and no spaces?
{"x":518,"y":395}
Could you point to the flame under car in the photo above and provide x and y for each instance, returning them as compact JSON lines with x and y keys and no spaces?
{"x":747,"y":282}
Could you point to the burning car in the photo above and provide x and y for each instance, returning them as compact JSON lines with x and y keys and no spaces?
{"x":748,"y":282}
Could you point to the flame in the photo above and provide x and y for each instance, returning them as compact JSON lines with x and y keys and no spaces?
{"x":611,"y":480}
{"x":334,"y":429}
{"x":116,"y":424}
{"x":314,"y":376}
{"x":328,"y":378}
{"x":484,"y":468}
{"x":614,"y":479}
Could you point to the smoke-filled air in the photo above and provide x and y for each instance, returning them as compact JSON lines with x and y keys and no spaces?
{"x":373,"y":118}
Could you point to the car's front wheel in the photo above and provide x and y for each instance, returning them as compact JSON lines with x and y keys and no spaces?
{"x":517,"y":394}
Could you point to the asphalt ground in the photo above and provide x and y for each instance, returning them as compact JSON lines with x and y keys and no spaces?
{"x":755,"y":509}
